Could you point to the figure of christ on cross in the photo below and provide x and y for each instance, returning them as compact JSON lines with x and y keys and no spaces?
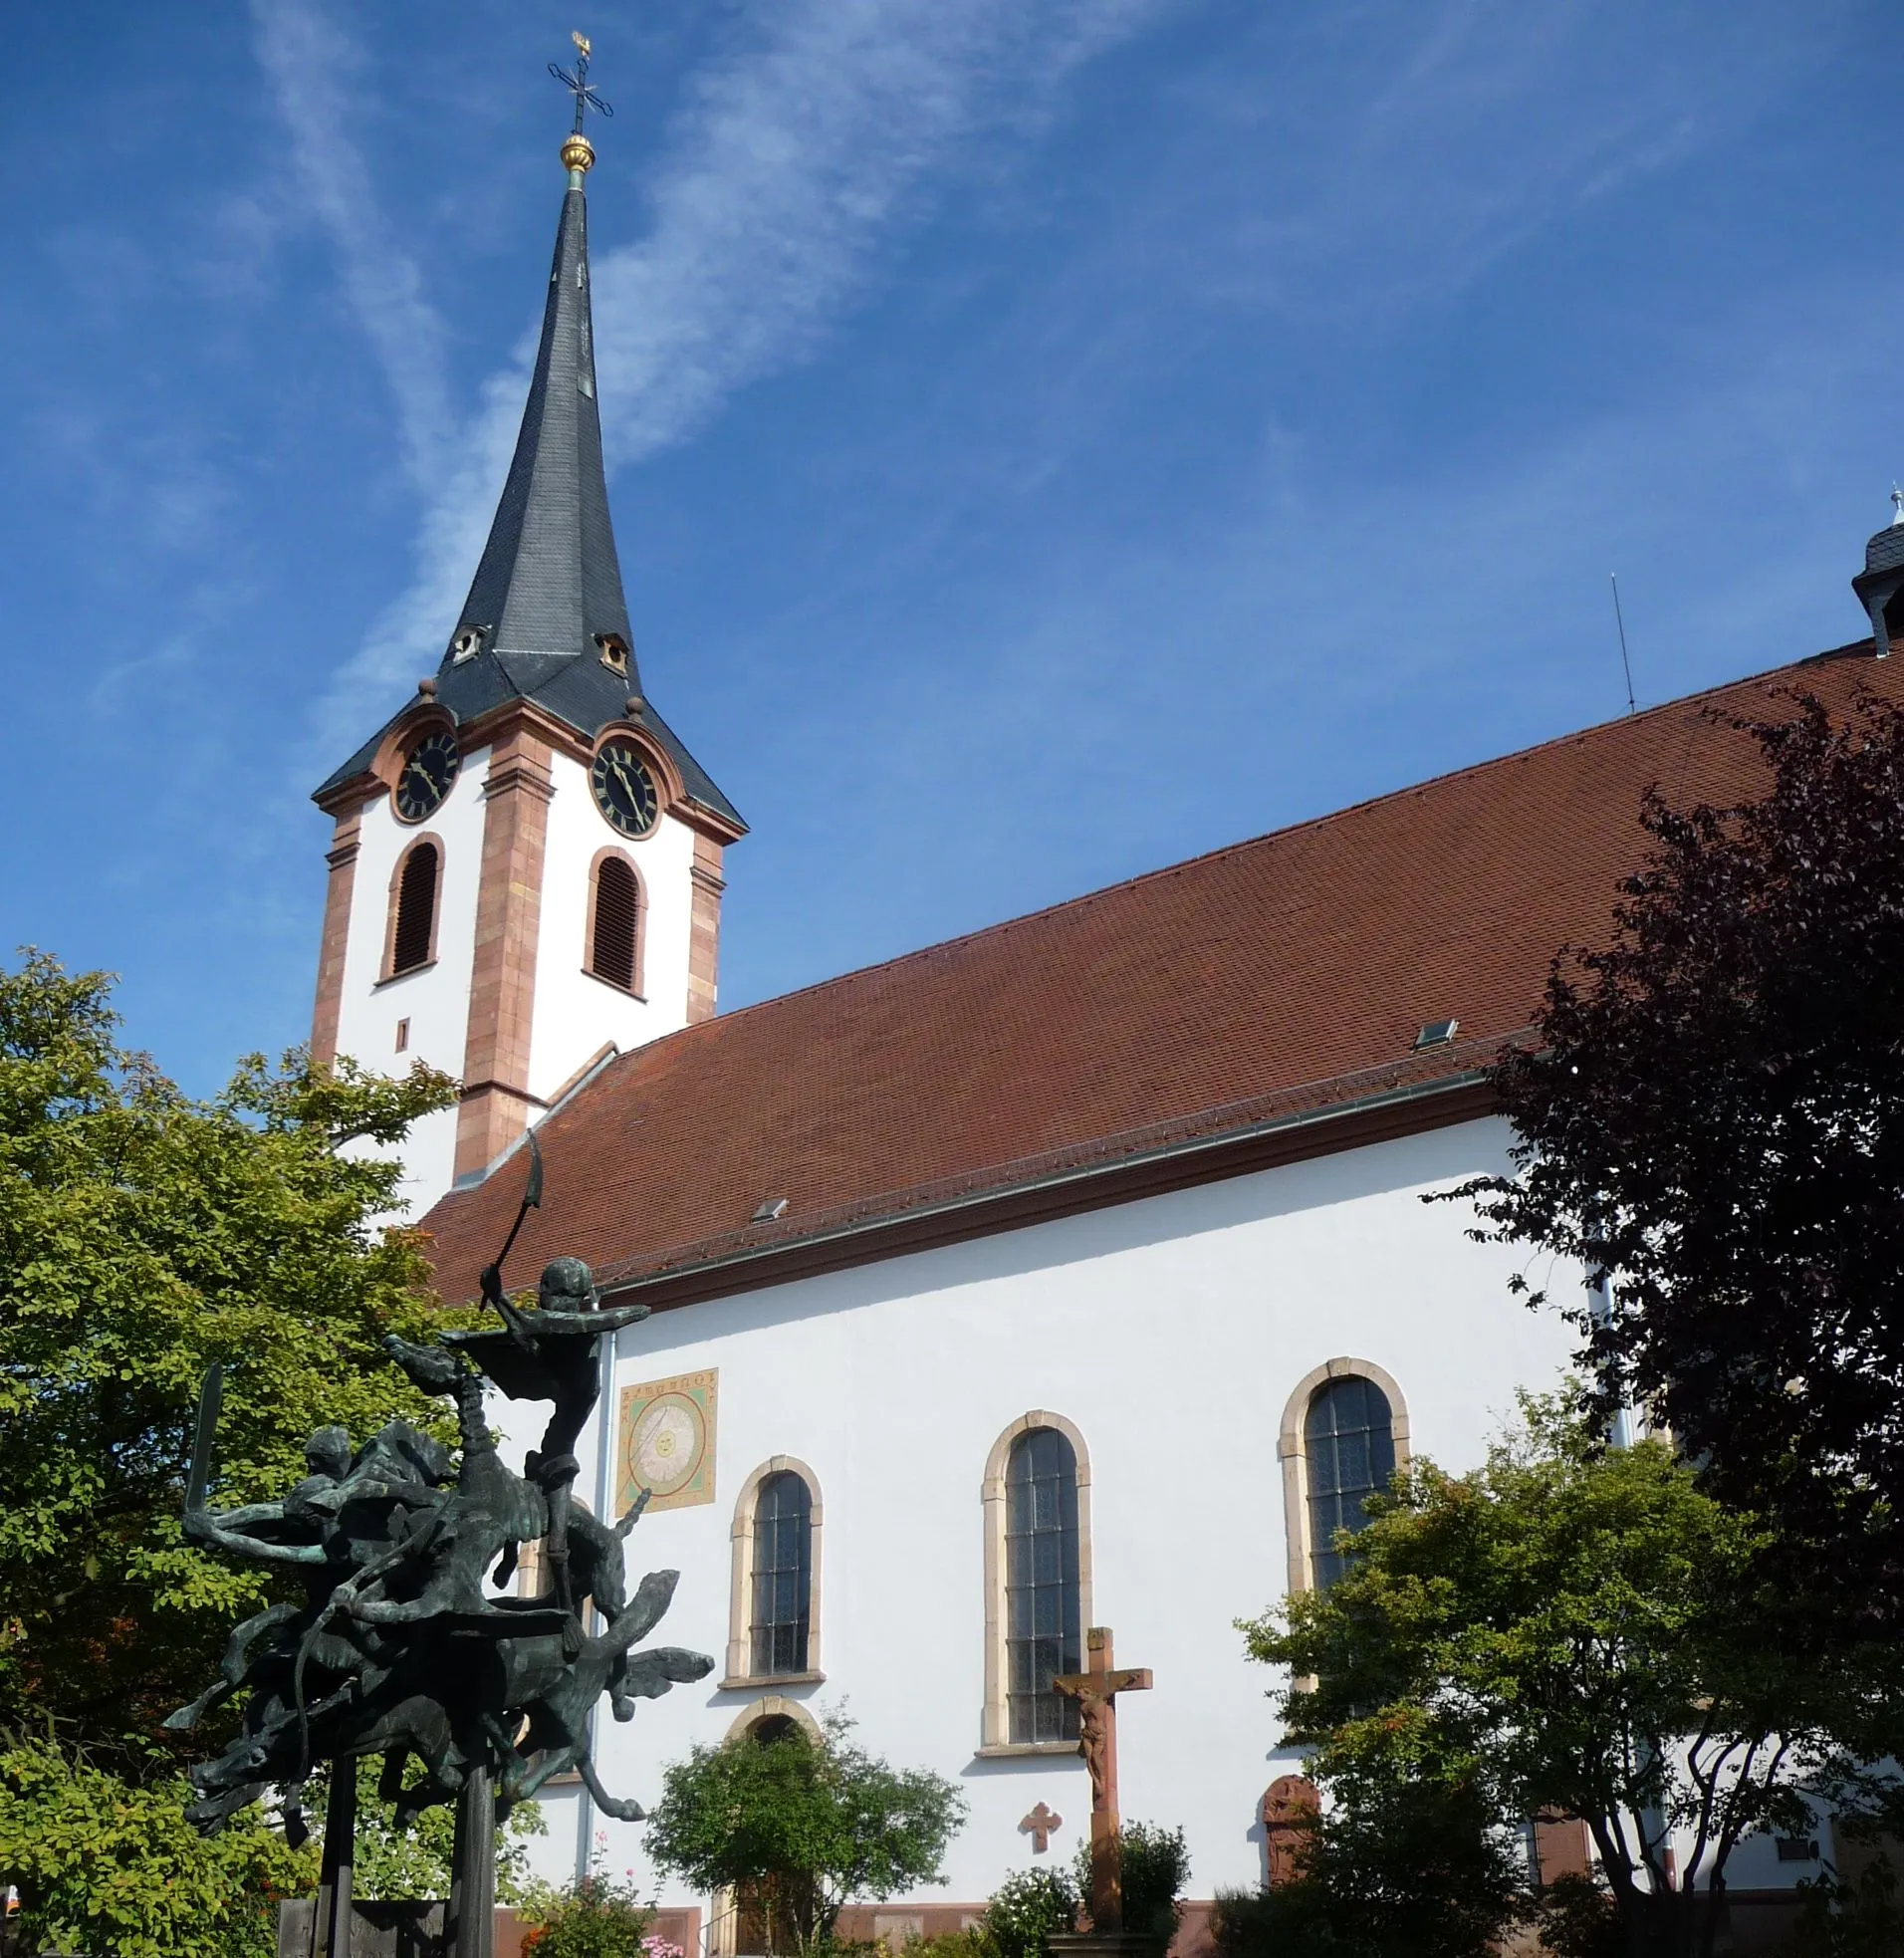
{"x":1096,"y":1692}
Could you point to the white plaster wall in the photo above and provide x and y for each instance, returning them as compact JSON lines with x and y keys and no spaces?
{"x":1172,"y":1332}
{"x":576,"y":1013}
{"x":435,"y":1000}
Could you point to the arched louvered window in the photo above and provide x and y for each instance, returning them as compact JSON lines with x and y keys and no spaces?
{"x":615,"y":922}
{"x":1349,"y":1440}
{"x":413,"y":928}
{"x":783,"y":1574}
{"x":1042,"y":1630}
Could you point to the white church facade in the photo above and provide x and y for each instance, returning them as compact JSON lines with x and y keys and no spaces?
{"x":1076,"y":1273}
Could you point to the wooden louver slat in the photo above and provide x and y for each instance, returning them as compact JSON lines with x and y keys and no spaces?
{"x":415,"y":910}
{"x":616,"y":922}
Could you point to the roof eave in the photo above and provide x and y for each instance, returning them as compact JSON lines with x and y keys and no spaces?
{"x":1380,"y":1116}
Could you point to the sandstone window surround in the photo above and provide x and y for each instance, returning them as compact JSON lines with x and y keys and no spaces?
{"x":416,"y":887}
{"x":741,"y":1671}
{"x":993,"y":1496}
{"x":614,"y":936}
{"x":1292,"y":1449}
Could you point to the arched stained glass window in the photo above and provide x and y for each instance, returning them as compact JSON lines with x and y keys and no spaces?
{"x":1042,"y":1630}
{"x":413,"y":935}
{"x":783,"y":1574}
{"x":1349,"y":1444}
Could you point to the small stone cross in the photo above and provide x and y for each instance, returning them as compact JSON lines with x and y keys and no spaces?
{"x":1038,"y":1825}
{"x":1096,"y":1692}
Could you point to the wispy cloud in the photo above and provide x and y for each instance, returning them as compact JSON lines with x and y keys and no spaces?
{"x":313,"y":67}
{"x":791,"y":162}
{"x":796,"y":154}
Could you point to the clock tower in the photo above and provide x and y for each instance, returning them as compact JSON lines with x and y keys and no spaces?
{"x":526,"y":866}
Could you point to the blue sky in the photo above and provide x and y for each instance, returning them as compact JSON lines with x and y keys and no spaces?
{"x":1050,"y":438}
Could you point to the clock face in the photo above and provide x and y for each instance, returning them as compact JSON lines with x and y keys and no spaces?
{"x":668,"y":1442}
{"x":429,"y":770}
{"x":624,"y":790}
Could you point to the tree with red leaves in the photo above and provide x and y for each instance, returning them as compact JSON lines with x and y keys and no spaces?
{"x":1712,"y":1117}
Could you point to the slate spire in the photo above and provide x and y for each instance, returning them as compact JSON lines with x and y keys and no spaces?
{"x":545,"y":619}
{"x":549,"y":586}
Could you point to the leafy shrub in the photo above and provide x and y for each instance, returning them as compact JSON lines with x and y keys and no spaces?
{"x":1857,"y":1918}
{"x":973,"y":1943}
{"x":107,"y":1864}
{"x":1579,"y":1919}
{"x":1156,"y":1866}
{"x":1025,"y":1910}
{"x":595,"y":1916}
{"x":817,"y":1820}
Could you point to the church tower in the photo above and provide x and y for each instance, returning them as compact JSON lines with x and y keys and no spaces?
{"x":526,"y":870}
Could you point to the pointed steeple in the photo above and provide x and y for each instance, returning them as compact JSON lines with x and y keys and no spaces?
{"x":548,"y":589}
{"x":546,"y":619}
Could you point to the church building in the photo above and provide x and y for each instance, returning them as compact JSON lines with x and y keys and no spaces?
{"x":1072,"y":1274}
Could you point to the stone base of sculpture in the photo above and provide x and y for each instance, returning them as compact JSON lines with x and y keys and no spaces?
{"x":1103,"y":1944}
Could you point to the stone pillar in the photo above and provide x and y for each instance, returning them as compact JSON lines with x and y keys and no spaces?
{"x":704,"y":929}
{"x":502,"y":991}
{"x":337,"y":894}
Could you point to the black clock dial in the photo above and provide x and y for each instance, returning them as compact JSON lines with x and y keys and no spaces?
{"x":624,"y":790}
{"x":429,"y":770}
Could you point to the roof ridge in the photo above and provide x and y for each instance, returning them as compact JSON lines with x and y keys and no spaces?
{"x":1305,"y":823}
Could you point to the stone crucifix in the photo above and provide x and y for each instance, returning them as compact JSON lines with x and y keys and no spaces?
{"x":1096,"y":1692}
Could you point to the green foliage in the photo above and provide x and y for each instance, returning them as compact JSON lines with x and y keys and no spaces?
{"x":1711,"y":1113}
{"x":1026,"y":1909}
{"x":595,"y":1916}
{"x":106,"y":1866}
{"x":144,"y":1234}
{"x":1578,"y":1918}
{"x":415,"y":1863}
{"x":972,"y":1942}
{"x":1853,"y":1917}
{"x":1405,"y":1865}
{"x":1155,"y":1868}
{"x":1576,"y":1630}
{"x":817,"y":1821}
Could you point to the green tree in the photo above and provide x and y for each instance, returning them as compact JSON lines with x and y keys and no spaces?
{"x":109,"y":1864}
{"x":1577,"y":1631}
{"x":1711,"y":1115}
{"x":142,"y":1235}
{"x":816,"y":1822}
{"x":1408,"y":1863}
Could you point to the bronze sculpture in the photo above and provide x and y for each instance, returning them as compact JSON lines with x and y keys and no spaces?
{"x":397,"y":1648}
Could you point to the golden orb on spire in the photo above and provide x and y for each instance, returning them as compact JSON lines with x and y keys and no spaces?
{"x":577,"y":152}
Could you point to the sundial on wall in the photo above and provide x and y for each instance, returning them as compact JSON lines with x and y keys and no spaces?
{"x":667,"y":1441}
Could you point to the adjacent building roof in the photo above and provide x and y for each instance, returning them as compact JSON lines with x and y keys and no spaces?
{"x":546,"y":595}
{"x":1262,"y":1001}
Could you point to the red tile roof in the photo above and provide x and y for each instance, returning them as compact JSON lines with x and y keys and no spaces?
{"x":1291,"y":973}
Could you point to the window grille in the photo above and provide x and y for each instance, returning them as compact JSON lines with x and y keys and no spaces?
{"x":415,"y":910}
{"x":783,"y":1574}
{"x":1348,"y":1443}
{"x":1042,"y":1608}
{"x":617,"y":920}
